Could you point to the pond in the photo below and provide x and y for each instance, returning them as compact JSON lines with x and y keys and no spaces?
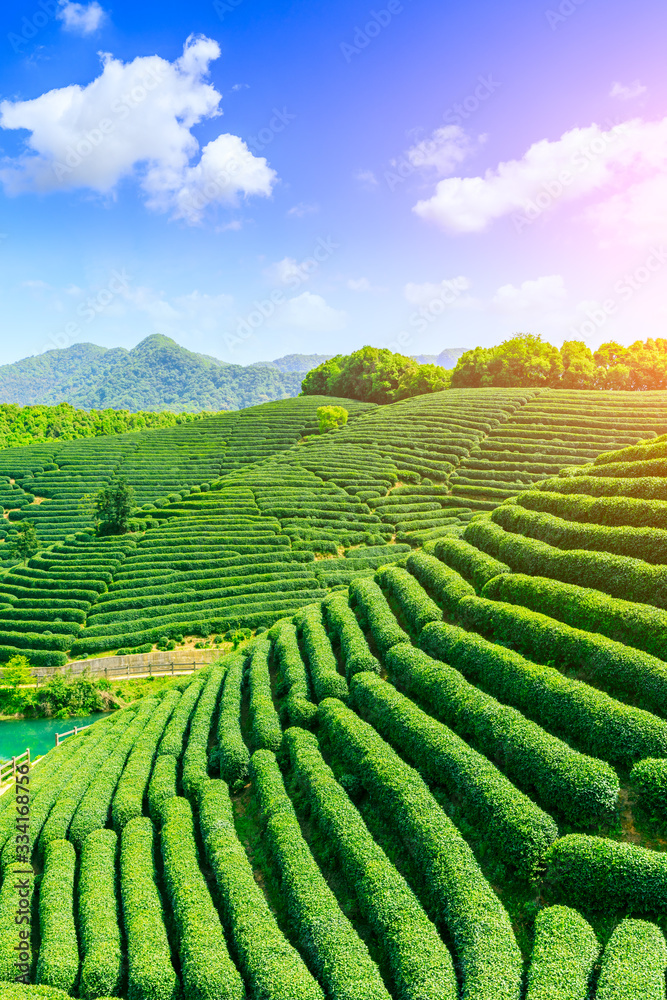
{"x":37,"y":734}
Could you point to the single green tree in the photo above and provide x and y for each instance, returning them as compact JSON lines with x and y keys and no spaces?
{"x":26,"y":543}
{"x":331,"y":416}
{"x":16,"y":672}
{"x":113,"y":507}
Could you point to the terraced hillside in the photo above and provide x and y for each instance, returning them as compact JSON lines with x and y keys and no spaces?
{"x":246,"y":517}
{"x":446,"y":779}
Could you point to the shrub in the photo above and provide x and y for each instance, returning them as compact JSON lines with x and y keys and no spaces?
{"x":231,"y":752}
{"x":293,"y":679}
{"x":639,"y":625}
{"x":520,"y":831}
{"x":607,"y":664}
{"x":474,"y":565}
{"x":591,"y":719}
{"x":271,"y":966}
{"x":151,"y":975}
{"x":634,"y":963}
{"x":327,"y":939}
{"x":58,"y":962}
{"x":649,"y":778}
{"x":101,"y":971}
{"x":375,"y":614}
{"x":614,"y":511}
{"x":420,"y":964}
{"x":324,"y":676}
{"x":458,"y":894}
{"x":172,"y":741}
{"x":15,"y":908}
{"x":162,"y":786}
{"x":207,"y":971}
{"x":561,"y":779}
{"x":195,"y":758}
{"x":415,"y":605}
{"x":564,"y":955}
{"x":445,"y":585}
{"x":603,"y":875}
{"x":265,"y":731}
{"x":343,"y":626}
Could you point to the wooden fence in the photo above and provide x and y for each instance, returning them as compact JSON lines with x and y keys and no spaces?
{"x":8,"y":768}
{"x":154,"y":664}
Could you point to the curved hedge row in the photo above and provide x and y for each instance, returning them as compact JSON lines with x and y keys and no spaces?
{"x":486,"y":950}
{"x":634,"y":963}
{"x":414,"y":604}
{"x":151,"y":975}
{"x":98,"y":912}
{"x":520,"y":831}
{"x":265,"y":731}
{"x":649,"y":779}
{"x":474,"y":565}
{"x":324,"y":676}
{"x":162,"y":786}
{"x":616,"y":511}
{"x":195,"y":758}
{"x":207,"y":971}
{"x":231,"y":753}
{"x":555,"y":775}
{"x":271,"y":966}
{"x":58,"y":962}
{"x":344,"y":627}
{"x":173,"y":739}
{"x":331,"y":946}
{"x":293,"y":681}
{"x":374,"y":614}
{"x":564,"y":954}
{"x":591,"y":719}
{"x":603,"y":875}
{"x":421,"y":967}
{"x":445,"y":585}
{"x":607,"y":664}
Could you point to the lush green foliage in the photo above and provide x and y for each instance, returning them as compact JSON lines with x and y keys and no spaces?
{"x":564,"y":956}
{"x":649,"y":778}
{"x":58,"y":962}
{"x":329,"y":417}
{"x":101,"y":968}
{"x":634,"y":963}
{"x":374,"y":375}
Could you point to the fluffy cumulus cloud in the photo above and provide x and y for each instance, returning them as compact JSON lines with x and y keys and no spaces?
{"x":447,"y":291}
{"x":545,"y":293}
{"x":135,"y":120}
{"x":83,"y":19}
{"x":443,"y":150}
{"x":311,"y":312}
{"x":592,"y":162}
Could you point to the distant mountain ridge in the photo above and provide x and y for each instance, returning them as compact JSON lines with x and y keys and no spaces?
{"x":157,"y":374}
{"x":446,"y":359}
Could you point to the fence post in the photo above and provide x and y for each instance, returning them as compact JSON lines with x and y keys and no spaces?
{"x":14,"y":765}
{"x":57,"y":739}
{"x":172,"y":668}
{"x":28,"y":756}
{"x":106,"y":672}
{"x":128,"y":671}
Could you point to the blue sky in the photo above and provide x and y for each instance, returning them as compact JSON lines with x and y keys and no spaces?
{"x":255,"y":178}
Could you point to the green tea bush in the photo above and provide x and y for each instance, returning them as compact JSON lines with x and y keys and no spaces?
{"x":649,"y":779}
{"x":607,"y":664}
{"x":269,"y":963}
{"x":458,"y":894}
{"x":420,"y":964}
{"x":58,"y":962}
{"x":416,"y":607}
{"x":16,"y":898}
{"x":639,"y":625}
{"x":162,"y":786}
{"x":595,"y":873}
{"x":520,"y":831}
{"x":231,"y":752}
{"x":590,"y":719}
{"x":207,"y":971}
{"x":564,"y":954}
{"x":293,"y":681}
{"x":173,"y":739}
{"x":445,"y":585}
{"x":98,"y":912}
{"x":195,"y":758}
{"x":375,"y":615}
{"x":265,"y":731}
{"x":151,"y":975}
{"x":473,"y":564}
{"x":332,"y":949}
{"x":342,"y":625}
{"x":616,"y":511}
{"x":559,"y":778}
{"x":324,"y":676}
{"x":633,"y":964}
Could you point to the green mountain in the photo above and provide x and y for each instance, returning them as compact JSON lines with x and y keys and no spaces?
{"x":157,"y":374}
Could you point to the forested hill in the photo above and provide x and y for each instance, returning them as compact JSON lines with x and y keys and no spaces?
{"x":157,"y":374}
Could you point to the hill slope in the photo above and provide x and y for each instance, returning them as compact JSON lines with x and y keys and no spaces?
{"x":157,"y":374}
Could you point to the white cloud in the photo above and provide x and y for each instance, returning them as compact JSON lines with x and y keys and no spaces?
{"x":359,"y":284}
{"x":285,"y":272}
{"x":311,"y":312}
{"x":627,"y":92}
{"x":545,"y":293}
{"x":303,"y":208}
{"x":635,"y":216}
{"x":448,"y":291}
{"x":135,"y":120}
{"x":366,"y":178}
{"x":84,"y":19}
{"x":581,"y":163}
{"x":443,"y":150}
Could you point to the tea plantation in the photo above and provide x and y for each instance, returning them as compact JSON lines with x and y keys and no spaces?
{"x":438,"y":767}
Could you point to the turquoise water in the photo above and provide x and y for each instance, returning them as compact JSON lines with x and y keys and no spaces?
{"x":38,"y":734}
